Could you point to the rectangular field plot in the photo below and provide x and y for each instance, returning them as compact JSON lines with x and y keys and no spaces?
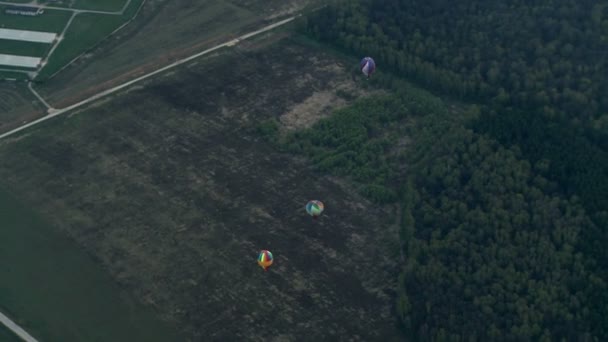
{"x":15,"y":47}
{"x":49,"y":21}
{"x":19,"y":61}
{"x":28,"y":36}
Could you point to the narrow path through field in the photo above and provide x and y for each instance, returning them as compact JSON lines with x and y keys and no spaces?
{"x":16,"y":329}
{"x":56,"y":112}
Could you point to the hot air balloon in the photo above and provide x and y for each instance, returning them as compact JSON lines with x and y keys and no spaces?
{"x":314,"y":208}
{"x":368,"y":66}
{"x":265,"y":259}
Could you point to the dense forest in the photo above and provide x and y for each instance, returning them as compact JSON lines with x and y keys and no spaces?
{"x":491,"y":252}
{"x":504,"y":206}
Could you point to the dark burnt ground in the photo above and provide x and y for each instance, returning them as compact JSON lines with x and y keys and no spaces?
{"x":170,"y":188}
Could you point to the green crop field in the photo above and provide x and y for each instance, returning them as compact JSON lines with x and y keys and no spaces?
{"x":57,"y":292}
{"x":21,"y":48}
{"x":171,"y":189}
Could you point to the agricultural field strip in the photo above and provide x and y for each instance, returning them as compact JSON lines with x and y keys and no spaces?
{"x":56,"y":112}
{"x":27,"y":36}
{"x":19,"y":61}
{"x":16,"y":329}
{"x":71,"y":9}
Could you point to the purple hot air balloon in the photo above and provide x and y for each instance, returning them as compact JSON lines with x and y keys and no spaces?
{"x":368,"y":66}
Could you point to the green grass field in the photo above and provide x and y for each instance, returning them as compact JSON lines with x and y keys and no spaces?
{"x":57,"y":292}
{"x":50,"y":21}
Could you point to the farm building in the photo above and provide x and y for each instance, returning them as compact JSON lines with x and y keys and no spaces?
{"x":24,"y":10}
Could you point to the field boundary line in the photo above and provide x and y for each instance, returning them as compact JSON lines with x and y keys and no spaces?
{"x":56,"y":112}
{"x":12,"y":326}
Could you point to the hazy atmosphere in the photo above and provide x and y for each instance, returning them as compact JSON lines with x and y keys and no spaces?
{"x":247,"y":170}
